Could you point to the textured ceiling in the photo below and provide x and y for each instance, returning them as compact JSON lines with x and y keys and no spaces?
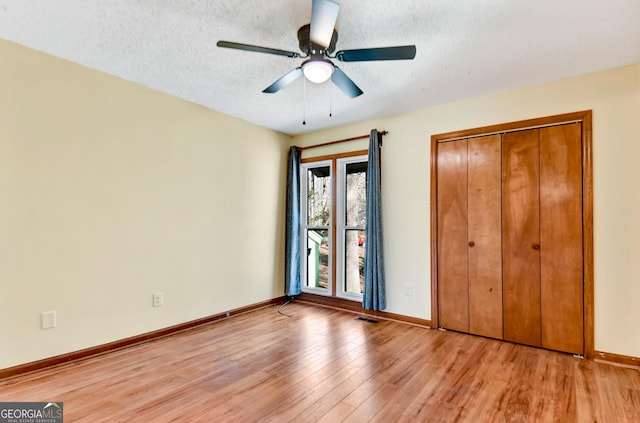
{"x":464,"y":49}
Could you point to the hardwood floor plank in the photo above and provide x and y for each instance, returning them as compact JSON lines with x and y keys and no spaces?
{"x":337,"y":414}
{"x":325,"y":365}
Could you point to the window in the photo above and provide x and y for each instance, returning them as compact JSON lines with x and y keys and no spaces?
{"x":333,"y":225}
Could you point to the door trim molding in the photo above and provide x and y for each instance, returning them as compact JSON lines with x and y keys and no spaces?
{"x":585,"y":117}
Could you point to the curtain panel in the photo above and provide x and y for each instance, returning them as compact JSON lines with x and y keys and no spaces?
{"x":374,"y":297}
{"x":292,"y":283}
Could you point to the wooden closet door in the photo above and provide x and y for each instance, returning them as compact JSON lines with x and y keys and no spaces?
{"x":561,"y":238}
{"x":521,"y":232}
{"x":453,"y":283}
{"x":485,"y":236}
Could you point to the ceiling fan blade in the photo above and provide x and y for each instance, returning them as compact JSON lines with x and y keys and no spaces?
{"x":345,"y":83}
{"x":324,"y":14}
{"x":382,"y":53}
{"x":257,"y":49}
{"x":287,"y":79}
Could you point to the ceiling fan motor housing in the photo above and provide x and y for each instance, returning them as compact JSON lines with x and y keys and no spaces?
{"x":310,"y":48}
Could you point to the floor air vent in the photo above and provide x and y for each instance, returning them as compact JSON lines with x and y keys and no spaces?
{"x":366,"y":319}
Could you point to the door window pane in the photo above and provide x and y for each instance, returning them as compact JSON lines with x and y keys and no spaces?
{"x":317,"y":258}
{"x":354,"y":261}
{"x":319,"y":196}
{"x":356,"y":186}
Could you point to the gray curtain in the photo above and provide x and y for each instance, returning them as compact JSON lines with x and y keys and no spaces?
{"x":374,"y":290}
{"x":292,"y":284}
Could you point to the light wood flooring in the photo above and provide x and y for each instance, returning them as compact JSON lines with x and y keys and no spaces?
{"x":326,"y":365}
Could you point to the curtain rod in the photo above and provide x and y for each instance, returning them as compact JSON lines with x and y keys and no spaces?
{"x":339,"y":141}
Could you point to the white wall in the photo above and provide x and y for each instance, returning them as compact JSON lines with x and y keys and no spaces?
{"x":109,"y":192}
{"x":614,"y":97}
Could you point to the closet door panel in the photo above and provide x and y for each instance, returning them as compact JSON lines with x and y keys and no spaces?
{"x":485,"y":236}
{"x":561,"y":238}
{"x":521,"y":231}
{"x":453,"y":282}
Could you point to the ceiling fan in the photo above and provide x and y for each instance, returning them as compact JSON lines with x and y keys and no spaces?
{"x":317,"y":41}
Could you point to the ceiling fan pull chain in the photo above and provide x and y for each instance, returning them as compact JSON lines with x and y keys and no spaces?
{"x":304,"y":101}
{"x":330,"y":100}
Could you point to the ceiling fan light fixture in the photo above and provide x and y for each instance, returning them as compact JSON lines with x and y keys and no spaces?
{"x":317,"y":71}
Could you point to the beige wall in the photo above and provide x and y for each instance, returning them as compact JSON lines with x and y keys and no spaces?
{"x":109,"y":192}
{"x":614,"y":97}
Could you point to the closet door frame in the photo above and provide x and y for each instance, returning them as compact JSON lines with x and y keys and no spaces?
{"x":585,"y":118}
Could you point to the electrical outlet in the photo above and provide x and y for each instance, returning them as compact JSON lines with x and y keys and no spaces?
{"x":408,"y":289}
{"x":48,"y":320}
{"x":158,"y":299}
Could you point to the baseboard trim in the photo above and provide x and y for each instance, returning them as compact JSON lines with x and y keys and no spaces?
{"x":129,"y":342}
{"x":356,"y":308}
{"x":318,"y":300}
{"x":617,"y":359}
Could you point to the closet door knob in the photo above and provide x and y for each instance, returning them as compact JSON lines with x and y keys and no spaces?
{"x":536,"y":246}
{"x":471,"y":243}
